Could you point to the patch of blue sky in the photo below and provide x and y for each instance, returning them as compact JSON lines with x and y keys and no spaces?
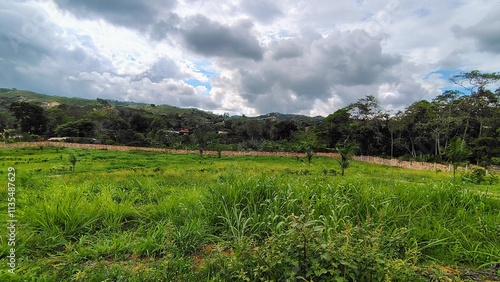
{"x":453,"y":87}
{"x":85,"y":40}
{"x":206,"y":69}
{"x":445,"y":73}
{"x":422,"y":12}
{"x":196,"y":83}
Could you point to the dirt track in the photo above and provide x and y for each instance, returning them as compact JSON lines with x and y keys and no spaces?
{"x":368,"y":159}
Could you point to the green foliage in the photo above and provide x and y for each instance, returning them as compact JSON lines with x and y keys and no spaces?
{"x":245,"y":219}
{"x":72,"y":160}
{"x":457,"y":152}
{"x":345,"y":152}
{"x":479,"y":176}
{"x":79,"y":128}
{"x":31,"y":117}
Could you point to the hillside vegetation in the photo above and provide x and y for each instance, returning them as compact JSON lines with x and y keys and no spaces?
{"x":425,"y":131}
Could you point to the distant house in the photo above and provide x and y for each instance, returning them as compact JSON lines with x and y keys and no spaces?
{"x":184,"y":131}
{"x":222,"y":132}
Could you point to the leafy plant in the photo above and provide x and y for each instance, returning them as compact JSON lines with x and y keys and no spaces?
{"x":345,"y":152}
{"x":457,"y":152}
{"x":72,"y":159}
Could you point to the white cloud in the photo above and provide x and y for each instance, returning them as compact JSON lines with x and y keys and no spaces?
{"x":309,"y":57}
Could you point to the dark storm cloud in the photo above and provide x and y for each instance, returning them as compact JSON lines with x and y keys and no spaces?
{"x":35,"y":56}
{"x":288,"y":49}
{"x":161,"y":69}
{"x":341,"y":59}
{"x":21,"y":37}
{"x":48,"y":75}
{"x":485,"y":32}
{"x":129,"y":13}
{"x":298,"y":57}
{"x":262,"y":10}
{"x":210,"y":38}
{"x":167,"y":25}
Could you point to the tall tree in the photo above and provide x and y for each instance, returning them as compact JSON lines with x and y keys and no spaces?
{"x":475,"y":81}
{"x":417,"y":138}
{"x":365,"y":108}
{"x":457,"y":152}
{"x":448,"y":118}
{"x":335,"y":128}
{"x":7,"y":120}
{"x":283,"y":130}
{"x":31,"y":117}
{"x":345,"y":151}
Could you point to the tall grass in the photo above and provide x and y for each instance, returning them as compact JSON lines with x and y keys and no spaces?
{"x":443,"y":223}
{"x":238,"y":219}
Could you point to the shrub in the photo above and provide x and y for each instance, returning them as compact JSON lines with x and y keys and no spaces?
{"x":477,"y":176}
{"x":72,"y":160}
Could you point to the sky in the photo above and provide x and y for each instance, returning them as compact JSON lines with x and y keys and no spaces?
{"x":308,"y":57}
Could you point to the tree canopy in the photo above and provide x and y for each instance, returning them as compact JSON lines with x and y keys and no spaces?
{"x":426,"y":130}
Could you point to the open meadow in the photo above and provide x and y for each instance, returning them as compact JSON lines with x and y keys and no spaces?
{"x":151,"y":216}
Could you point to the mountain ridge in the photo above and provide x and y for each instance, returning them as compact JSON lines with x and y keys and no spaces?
{"x":15,"y":95}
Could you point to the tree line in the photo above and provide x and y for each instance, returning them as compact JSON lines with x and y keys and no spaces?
{"x":426,"y":130}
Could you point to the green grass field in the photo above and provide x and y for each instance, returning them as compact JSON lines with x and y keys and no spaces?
{"x":147,"y":216}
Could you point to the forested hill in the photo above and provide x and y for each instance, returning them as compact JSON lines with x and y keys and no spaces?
{"x":457,"y":126}
{"x":26,"y":115}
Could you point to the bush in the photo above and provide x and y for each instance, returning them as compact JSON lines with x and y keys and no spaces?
{"x":476,"y":176}
{"x":479,"y":176}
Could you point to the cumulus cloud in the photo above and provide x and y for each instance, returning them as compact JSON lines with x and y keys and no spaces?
{"x":166,"y":91}
{"x":485,"y":32}
{"x":293,"y":82}
{"x":165,"y":26}
{"x":251,"y":57}
{"x":262,"y":10}
{"x":210,"y":38}
{"x":163,"y":68}
{"x":129,"y":13}
{"x":287,"y":49}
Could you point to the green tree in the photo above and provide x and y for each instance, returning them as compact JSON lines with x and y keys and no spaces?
{"x":283,"y":130}
{"x":335,"y":128}
{"x":56,"y":116}
{"x":477,"y":106}
{"x":253,"y":129}
{"x":416,"y":122}
{"x":366,"y":125}
{"x":79,"y":128}
{"x":7,"y":120}
{"x":345,"y":151}
{"x":72,"y":159}
{"x":448,"y":118}
{"x":457,"y":152}
{"x":365,"y":108}
{"x":309,"y":143}
{"x":216,"y":145}
{"x":476,"y":80}
{"x":31,"y":117}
